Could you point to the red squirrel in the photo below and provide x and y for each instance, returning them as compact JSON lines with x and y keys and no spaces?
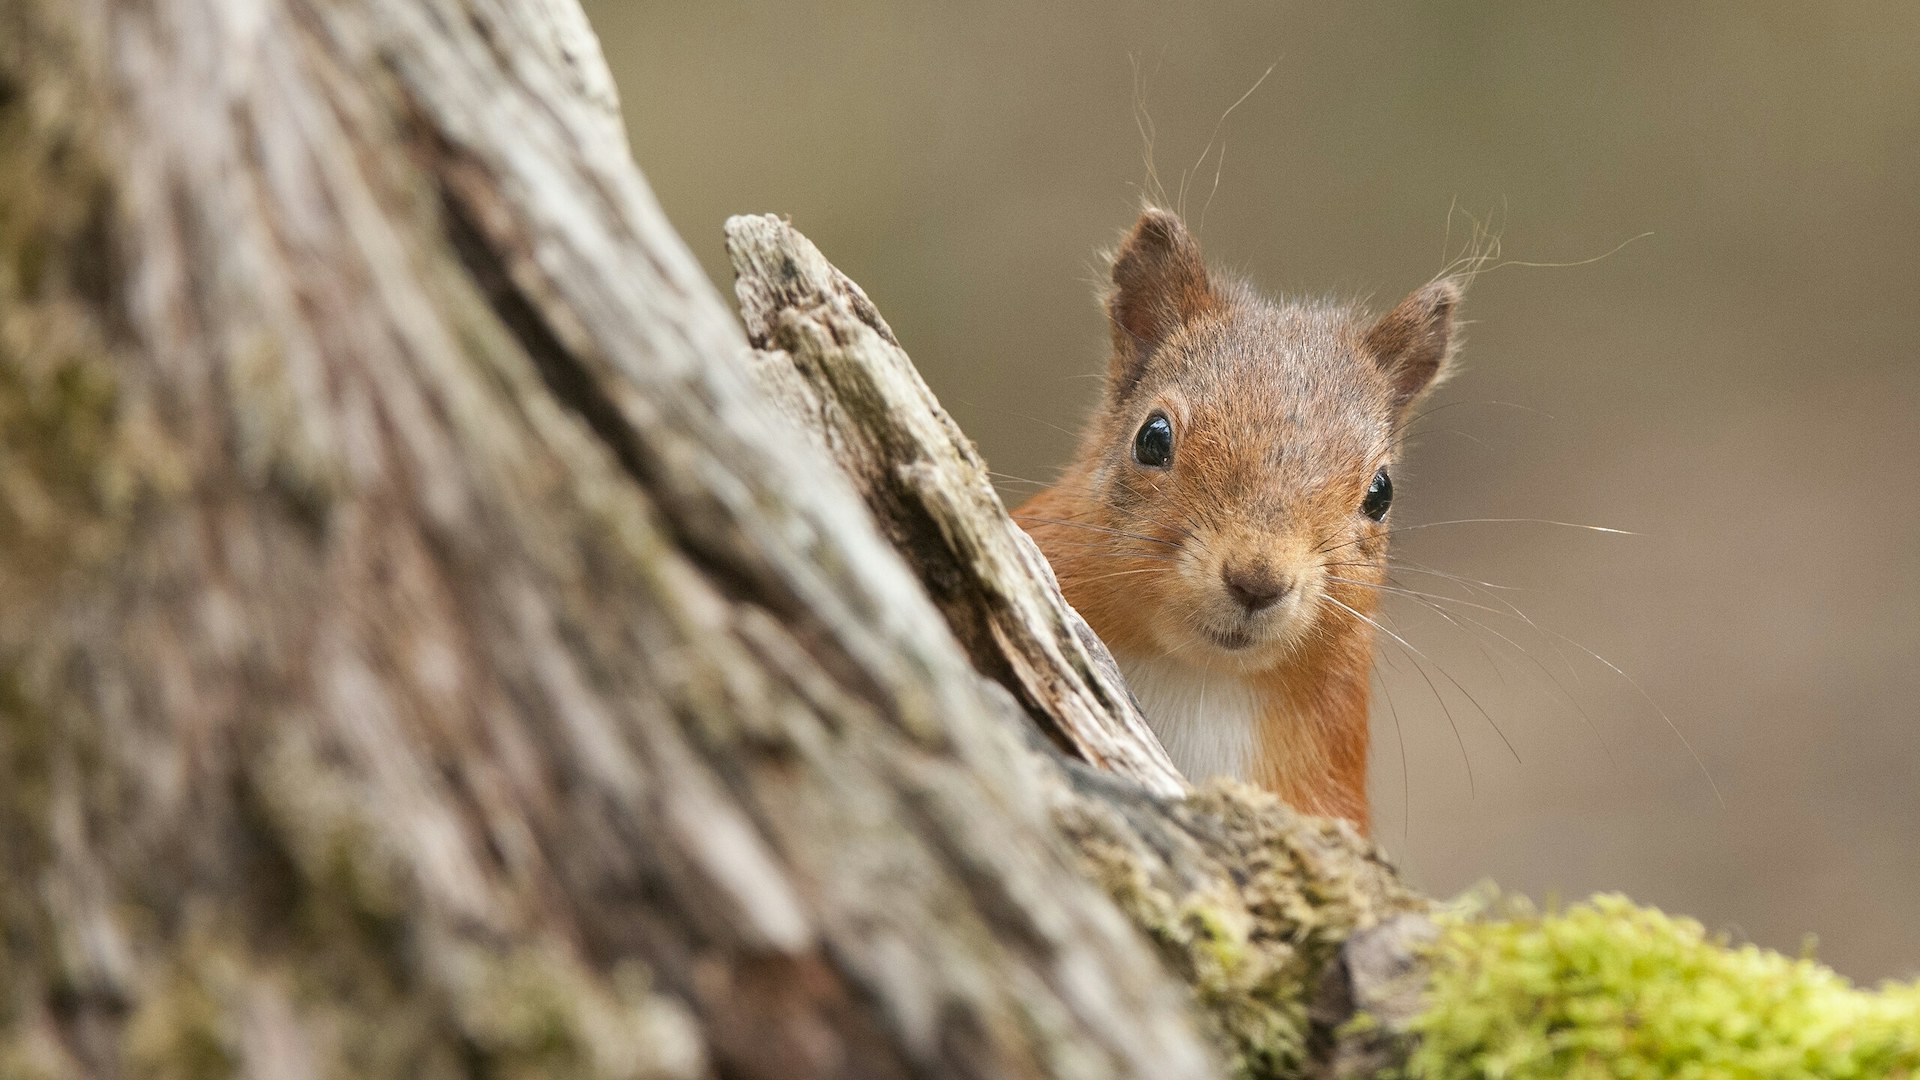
{"x":1223,"y":524}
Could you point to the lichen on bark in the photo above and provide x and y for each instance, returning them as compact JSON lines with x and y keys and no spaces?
{"x":1249,"y":901}
{"x":72,"y":458}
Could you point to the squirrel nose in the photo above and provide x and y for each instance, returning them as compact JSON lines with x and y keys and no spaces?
{"x":1255,"y":588}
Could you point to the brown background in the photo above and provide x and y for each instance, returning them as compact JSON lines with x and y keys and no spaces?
{"x":1739,"y":387}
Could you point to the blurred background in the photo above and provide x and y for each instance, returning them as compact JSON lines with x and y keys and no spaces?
{"x":1739,"y":387}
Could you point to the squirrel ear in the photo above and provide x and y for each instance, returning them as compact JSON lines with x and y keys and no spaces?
{"x":1413,"y":342}
{"x":1159,"y":282}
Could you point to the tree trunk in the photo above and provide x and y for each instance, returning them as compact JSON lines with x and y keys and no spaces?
{"x":424,"y":652}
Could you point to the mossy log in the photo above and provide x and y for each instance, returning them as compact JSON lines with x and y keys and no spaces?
{"x":424,"y":652}
{"x":435,"y":641}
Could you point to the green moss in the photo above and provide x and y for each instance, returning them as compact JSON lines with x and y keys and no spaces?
{"x":72,"y":459}
{"x":182,"y":1029}
{"x":535,"y":1013}
{"x":408,"y":998}
{"x":1609,"y":989}
{"x":1253,"y":952}
{"x":58,"y":415}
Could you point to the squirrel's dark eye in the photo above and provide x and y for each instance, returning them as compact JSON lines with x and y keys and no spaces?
{"x":1153,"y":444}
{"x":1379,"y":496}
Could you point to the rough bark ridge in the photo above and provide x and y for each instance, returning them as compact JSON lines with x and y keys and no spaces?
{"x":830,"y":362}
{"x":423,"y":653}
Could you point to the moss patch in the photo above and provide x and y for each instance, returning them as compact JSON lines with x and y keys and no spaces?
{"x":1253,"y":952}
{"x":1610,"y":989}
{"x":183,"y":1029}
{"x":537,"y":1013}
{"x":73,"y":459}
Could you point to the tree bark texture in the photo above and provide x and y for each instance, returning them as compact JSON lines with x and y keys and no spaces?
{"x":424,"y":651}
{"x":831,"y":363}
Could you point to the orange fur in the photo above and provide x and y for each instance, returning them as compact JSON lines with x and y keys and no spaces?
{"x":1240,"y":577}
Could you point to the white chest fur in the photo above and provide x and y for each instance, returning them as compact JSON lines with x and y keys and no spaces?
{"x":1207,"y":720}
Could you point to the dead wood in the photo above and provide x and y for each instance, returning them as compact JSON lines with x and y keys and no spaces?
{"x":424,"y":651}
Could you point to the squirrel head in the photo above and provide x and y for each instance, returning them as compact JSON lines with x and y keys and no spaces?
{"x":1242,"y":456}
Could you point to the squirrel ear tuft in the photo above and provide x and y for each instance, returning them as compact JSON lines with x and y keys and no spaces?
{"x":1413,"y":342}
{"x":1159,"y":282}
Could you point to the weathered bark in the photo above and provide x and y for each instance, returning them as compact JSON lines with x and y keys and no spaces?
{"x":424,"y":652}
{"x":1259,"y":946}
{"x":832,"y":364}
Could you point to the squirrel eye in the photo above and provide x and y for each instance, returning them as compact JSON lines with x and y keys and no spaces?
{"x":1379,"y":496}
{"x":1153,"y":444}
